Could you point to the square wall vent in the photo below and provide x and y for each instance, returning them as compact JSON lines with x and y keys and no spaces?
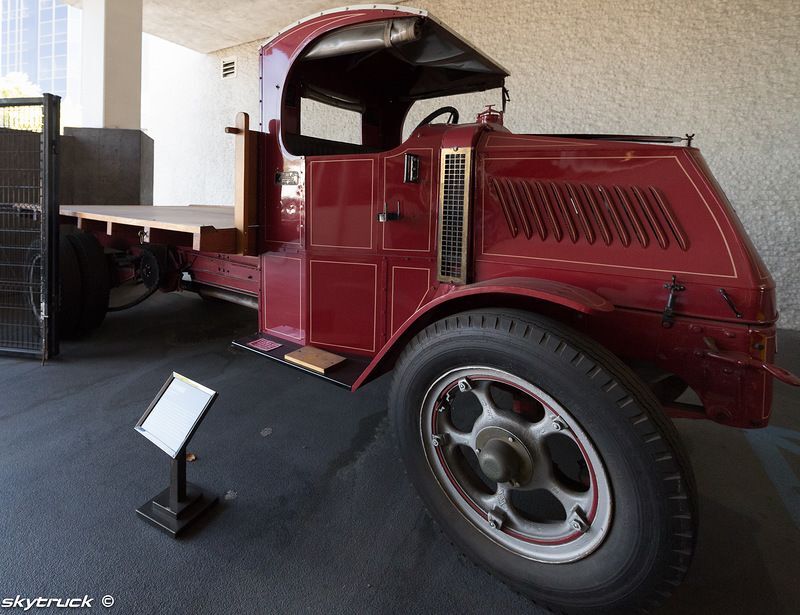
{"x":228,"y":68}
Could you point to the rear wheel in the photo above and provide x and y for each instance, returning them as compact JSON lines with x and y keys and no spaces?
{"x":69,"y":295}
{"x":546,"y":460}
{"x":95,"y":282}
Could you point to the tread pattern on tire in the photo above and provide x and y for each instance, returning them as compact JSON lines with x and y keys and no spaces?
{"x":70,"y":298}
{"x":94,"y":280}
{"x":613,"y":378}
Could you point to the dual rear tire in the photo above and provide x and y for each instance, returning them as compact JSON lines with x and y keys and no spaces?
{"x":546,"y":460}
{"x":84,"y":284}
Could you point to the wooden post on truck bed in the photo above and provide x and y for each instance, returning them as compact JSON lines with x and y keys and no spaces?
{"x":246,"y":188}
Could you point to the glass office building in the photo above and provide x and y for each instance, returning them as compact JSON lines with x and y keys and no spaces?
{"x":34,"y":41}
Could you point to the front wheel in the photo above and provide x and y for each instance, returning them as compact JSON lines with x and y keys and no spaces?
{"x":546,"y":460}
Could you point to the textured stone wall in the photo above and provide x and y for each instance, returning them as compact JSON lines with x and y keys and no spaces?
{"x":725,"y":70}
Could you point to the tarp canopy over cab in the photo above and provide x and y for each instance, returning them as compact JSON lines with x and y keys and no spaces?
{"x":408,"y":58}
{"x":376,"y":60}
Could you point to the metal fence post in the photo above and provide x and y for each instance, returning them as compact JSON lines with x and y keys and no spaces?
{"x":50,"y":218}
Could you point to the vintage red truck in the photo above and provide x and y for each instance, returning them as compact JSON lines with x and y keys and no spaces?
{"x":545,"y":301}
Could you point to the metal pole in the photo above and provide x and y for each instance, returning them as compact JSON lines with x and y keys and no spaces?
{"x":177,"y":483}
{"x":49,"y":196}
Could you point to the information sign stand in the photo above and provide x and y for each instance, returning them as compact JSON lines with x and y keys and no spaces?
{"x":170,"y":422}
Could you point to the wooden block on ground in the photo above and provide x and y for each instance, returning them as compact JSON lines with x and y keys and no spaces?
{"x":314,"y":359}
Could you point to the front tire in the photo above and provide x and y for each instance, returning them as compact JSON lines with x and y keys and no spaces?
{"x":546,"y":460}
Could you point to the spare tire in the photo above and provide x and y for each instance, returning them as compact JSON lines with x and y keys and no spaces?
{"x":69,"y":290}
{"x":95,"y":283}
{"x":33,"y":276}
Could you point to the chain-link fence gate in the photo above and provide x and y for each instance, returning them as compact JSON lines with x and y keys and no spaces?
{"x":29,"y":130}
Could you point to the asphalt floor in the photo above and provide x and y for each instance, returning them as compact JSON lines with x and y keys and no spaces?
{"x":315,"y":512}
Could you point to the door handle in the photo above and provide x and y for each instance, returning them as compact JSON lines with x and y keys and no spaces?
{"x":388,"y":216}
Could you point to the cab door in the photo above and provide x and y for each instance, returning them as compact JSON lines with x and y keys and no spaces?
{"x":407,"y":231}
{"x":345,"y":272}
{"x":407,"y":198}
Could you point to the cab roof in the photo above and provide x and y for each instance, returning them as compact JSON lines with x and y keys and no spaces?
{"x":343,"y":55}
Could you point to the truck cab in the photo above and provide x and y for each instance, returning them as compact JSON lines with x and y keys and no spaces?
{"x":358,"y":219}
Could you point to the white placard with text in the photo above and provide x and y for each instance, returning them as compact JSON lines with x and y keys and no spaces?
{"x":171,"y":419}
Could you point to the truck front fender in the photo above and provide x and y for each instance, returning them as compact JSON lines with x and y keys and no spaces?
{"x":548,"y":291}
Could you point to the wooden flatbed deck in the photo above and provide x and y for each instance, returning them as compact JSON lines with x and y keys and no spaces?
{"x":206,"y":228}
{"x":212,"y":227}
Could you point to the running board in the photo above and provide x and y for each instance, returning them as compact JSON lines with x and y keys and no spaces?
{"x":343,"y":375}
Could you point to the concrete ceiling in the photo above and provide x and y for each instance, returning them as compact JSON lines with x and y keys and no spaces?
{"x":210,"y":25}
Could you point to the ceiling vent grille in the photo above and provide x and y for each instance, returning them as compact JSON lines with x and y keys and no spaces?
{"x":228,"y":68}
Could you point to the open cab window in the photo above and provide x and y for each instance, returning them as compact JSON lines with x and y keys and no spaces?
{"x":325,"y":129}
{"x":329,"y":122}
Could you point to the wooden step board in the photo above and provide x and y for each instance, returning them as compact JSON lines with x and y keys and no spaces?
{"x":212,"y":227}
{"x":344,"y":373}
{"x":316,"y":359}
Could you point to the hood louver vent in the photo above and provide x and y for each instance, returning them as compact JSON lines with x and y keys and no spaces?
{"x":596,"y":213}
{"x":228,"y":68}
{"x":454,"y":216}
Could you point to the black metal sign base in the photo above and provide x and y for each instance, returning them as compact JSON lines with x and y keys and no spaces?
{"x":180,"y":504}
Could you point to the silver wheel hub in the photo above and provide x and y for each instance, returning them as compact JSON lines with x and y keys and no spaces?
{"x":503,"y":457}
{"x":516,"y":464}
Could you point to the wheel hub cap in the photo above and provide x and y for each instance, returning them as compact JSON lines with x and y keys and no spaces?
{"x":503,"y":457}
{"x":499,"y":462}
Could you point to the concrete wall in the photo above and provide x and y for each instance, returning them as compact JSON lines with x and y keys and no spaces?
{"x":726,"y":70}
{"x":185,"y":108}
{"x":106,"y":166}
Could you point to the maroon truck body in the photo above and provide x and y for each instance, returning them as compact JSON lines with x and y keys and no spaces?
{"x":589,"y":231}
{"x":493,"y":272}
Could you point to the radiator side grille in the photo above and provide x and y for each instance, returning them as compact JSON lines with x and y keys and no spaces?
{"x":545,"y":209}
{"x":454,"y":216}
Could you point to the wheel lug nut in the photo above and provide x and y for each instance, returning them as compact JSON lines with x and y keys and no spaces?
{"x":559,"y":425}
{"x":578,"y":520}
{"x":510,"y":438}
{"x":439,"y":440}
{"x":496,"y":519}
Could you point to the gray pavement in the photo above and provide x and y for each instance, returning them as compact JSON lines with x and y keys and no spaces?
{"x":316,"y":514}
